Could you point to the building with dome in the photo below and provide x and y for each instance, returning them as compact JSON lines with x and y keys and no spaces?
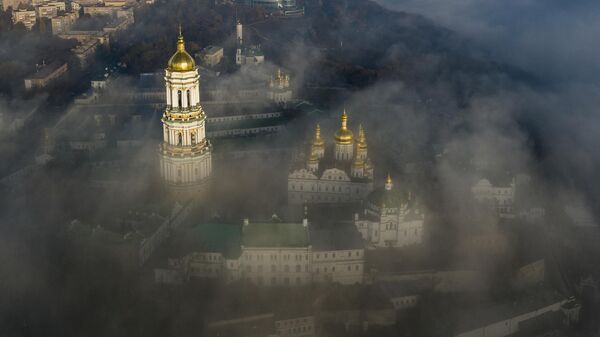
{"x":246,"y":54}
{"x":391,"y":218}
{"x":279,"y":88}
{"x":185,"y":153}
{"x":341,"y":173}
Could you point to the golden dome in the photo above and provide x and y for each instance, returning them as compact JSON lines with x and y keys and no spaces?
{"x":181,"y":60}
{"x":343,"y":135}
{"x":362,"y":139}
{"x":313,"y":159}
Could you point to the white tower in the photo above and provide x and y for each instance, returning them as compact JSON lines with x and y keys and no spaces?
{"x":240,"y":43}
{"x":239,"y":33}
{"x":185,"y":152}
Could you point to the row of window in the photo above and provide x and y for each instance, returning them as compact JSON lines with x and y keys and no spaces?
{"x":285,"y":323}
{"x":295,"y":331}
{"x":240,"y":118}
{"x":286,"y":268}
{"x":332,"y":269}
{"x":333,"y":255}
{"x":273,"y":257}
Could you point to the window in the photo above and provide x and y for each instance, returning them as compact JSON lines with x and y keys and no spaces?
{"x":179,"y":103}
{"x":188,"y":99}
{"x":286,"y":268}
{"x":179,"y":139}
{"x":298,"y":268}
{"x":273,"y":268}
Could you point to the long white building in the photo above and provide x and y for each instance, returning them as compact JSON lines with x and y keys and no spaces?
{"x":339,"y":174}
{"x":272,"y":253}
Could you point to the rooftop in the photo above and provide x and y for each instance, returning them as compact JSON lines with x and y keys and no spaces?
{"x":47,"y":70}
{"x":211,"y":237}
{"x":275,"y":234}
{"x":339,"y":237}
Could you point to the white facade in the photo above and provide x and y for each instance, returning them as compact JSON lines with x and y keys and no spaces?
{"x":272,"y":266}
{"x":342,"y":175}
{"x":185,"y":152}
{"x":277,"y":263}
{"x":389,"y":220}
{"x":338,"y":266}
{"x":500,"y":198}
{"x":331,"y":186}
{"x":27,"y":17}
{"x":251,"y":55}
{"x":295,"y":327}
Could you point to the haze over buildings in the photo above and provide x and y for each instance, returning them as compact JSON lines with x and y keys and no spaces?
{"x":287,"y":168}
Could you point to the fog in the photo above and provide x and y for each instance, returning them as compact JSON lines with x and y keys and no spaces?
{"x":470,"y":88}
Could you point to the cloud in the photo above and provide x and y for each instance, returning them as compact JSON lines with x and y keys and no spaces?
{"x":554,"y":39}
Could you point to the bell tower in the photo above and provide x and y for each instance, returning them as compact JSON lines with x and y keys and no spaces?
{"x":185,"y":153}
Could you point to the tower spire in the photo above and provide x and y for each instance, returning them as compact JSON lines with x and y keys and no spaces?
{"x":180,"y":42}
{"x":388,"y":183}
{"x":318,"y":140}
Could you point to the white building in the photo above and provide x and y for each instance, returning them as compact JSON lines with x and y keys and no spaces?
{"x":271,"y":253}
{"x":246,"y":55}
{"x":390,"y":219}
{"x":279,"y":88}
{"x":341,"y":174}
{"x":185,"y":154}
{"x":499,"y":197}
{"x":27,"y":17}
{"x":212,"y":55}
{"x":63,"y":23}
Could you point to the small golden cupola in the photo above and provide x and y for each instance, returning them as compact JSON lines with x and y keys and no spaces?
{"x":318,"y":144}
{"x":362,"y":139}
{"x":388,"y":183}
{"x":318,"y":141}
{"x":344,"y":135}
{"x":181,"y":61}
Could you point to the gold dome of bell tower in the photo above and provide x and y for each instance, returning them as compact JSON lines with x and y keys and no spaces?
{"x":181,"y":61}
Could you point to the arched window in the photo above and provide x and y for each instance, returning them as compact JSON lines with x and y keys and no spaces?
{"x":189,"y":101}
{"x":179,"y":139}
{"x":179,"y":103}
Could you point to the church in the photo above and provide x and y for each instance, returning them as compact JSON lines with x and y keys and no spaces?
{"x":185,"y":153}
{"x":391,"y":218}
{"x":342,"y":173}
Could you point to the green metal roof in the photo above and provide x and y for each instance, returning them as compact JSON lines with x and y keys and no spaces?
{"x":222,"y":238}
{"x":275,"y":234}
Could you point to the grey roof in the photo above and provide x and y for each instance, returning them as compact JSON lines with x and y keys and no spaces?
{"x":338,"y":237}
